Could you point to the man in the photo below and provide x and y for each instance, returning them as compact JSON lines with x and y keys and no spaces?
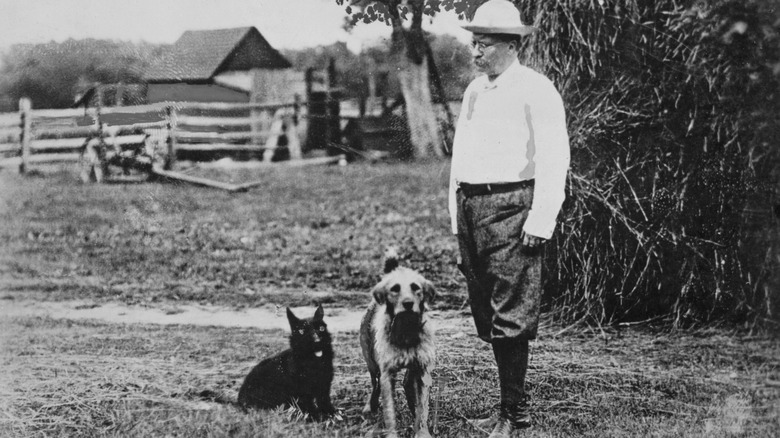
{"x":509,"y":164}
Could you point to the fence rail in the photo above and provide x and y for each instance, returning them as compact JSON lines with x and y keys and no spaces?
{"x":5,"y":148}
{"x":9,"y":119}
{"x":206,"y":136}
{"x":35,"y":136}
{"x":10,"y":136}
{"x":214,"y":121}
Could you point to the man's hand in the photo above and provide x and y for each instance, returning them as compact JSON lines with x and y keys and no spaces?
{"x":531,"y":243}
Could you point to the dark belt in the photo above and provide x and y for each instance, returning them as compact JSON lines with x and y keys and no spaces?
{"x":489,"y":189}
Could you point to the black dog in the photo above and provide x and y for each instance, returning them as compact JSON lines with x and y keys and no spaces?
{"x":300,"y":375}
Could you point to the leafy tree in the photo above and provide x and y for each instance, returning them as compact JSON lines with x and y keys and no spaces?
{"x":453,"y":60}
{"x":344,"y":61}
{"x":410,"y":53}
{"x":51,"y":74}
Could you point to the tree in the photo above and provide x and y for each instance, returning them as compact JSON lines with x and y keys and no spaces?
{"x":410,"y":53}
{"x":319,"y":58}
{"x":51,"y":74}
{"x":453,"y":60}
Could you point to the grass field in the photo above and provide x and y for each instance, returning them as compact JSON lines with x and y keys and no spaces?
{"x":316,"y":229}
{"x":308,"y":236}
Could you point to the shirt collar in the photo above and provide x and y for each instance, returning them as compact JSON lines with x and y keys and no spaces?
{"x":513,"y":70}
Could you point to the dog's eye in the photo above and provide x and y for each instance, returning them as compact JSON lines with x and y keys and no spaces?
{"x":396,"y":288}
{"x":415,"y":287}
{"x":322,"y":328}
{"x":300,"y":331}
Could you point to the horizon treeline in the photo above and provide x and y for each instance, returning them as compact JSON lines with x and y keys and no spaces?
{"x":53,"y":74}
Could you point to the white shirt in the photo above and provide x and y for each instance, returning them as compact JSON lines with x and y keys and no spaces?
{"x":513,"y":129}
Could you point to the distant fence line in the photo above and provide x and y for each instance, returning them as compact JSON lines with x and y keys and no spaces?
{"x":92,"y":136}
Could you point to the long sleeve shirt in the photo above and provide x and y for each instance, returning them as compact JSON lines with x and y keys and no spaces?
{"x":513,"y":129}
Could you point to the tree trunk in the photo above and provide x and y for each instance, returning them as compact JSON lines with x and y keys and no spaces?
{"x":420,"y":111}
{"x":414,"y":76}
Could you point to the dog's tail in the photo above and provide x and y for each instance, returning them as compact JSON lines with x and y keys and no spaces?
{"x":391,"y":259}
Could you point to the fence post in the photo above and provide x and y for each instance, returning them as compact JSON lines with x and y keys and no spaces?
{"x":293,"y":129}
{"x":302,"y":122}
{"x":293,"y":138}
{"x":259,"y":123}
{"x":25,"y":113}
{"x":274,"y":132}
{"x":296,"y":108}
{"x":330,"y":82}
{"x":268,"y":87}
{"x":171,"y":123}
{"x":99,"y":148}
{"x":119,"y":94}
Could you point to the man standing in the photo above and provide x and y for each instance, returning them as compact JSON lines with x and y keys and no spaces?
{"x":507,"y":184}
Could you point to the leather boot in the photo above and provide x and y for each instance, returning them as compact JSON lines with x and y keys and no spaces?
{"x":512,"y":360}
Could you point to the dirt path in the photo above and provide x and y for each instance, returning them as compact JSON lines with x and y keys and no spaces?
{"x":268,"y":317}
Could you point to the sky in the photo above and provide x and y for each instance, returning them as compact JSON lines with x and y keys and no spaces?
{"x":286,"y":24}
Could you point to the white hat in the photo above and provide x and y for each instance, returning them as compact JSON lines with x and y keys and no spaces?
{"x":498,"y":16}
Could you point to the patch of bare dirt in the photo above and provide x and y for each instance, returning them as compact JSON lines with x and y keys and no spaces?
{"x":269,"y":317}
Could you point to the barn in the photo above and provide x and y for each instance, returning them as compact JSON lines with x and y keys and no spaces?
{"x":223,"y":65}
{"x":233,"y":65}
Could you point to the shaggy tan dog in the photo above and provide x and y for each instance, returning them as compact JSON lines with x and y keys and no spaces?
{"x":395,"y":334}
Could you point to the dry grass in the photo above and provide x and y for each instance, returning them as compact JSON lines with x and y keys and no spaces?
{"x":317,"y":229}
{"x":67,"y":378}
{"x":320,"y":230}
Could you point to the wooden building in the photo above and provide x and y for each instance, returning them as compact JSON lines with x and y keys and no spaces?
{"x":214,"y":66}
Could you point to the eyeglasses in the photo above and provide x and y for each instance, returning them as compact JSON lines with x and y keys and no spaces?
{"x":482,"y":46}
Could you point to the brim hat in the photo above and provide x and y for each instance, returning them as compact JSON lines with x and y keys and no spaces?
{"x":498,"y":16}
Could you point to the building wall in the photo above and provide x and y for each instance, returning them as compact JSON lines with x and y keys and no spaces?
{"x":277,"y":86}
{"x":193,"y":93}
{"x":236,"y":80}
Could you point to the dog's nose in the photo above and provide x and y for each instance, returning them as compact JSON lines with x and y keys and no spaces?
{"x":408,"y":305}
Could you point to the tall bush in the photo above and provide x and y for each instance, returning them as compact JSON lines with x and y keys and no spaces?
{"x":673,"y":114}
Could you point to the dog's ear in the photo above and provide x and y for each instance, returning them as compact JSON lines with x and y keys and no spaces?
{"x":319,"y":313}
{"x":380,"y":292}
{"x":429,"y":292}
{"x":292,"y":318}
{"x":391,"y":259}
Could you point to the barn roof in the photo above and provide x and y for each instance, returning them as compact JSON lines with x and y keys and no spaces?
{"x":198,"y":55}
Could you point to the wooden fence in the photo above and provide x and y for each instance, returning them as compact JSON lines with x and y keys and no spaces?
{"x":146,"y":137}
